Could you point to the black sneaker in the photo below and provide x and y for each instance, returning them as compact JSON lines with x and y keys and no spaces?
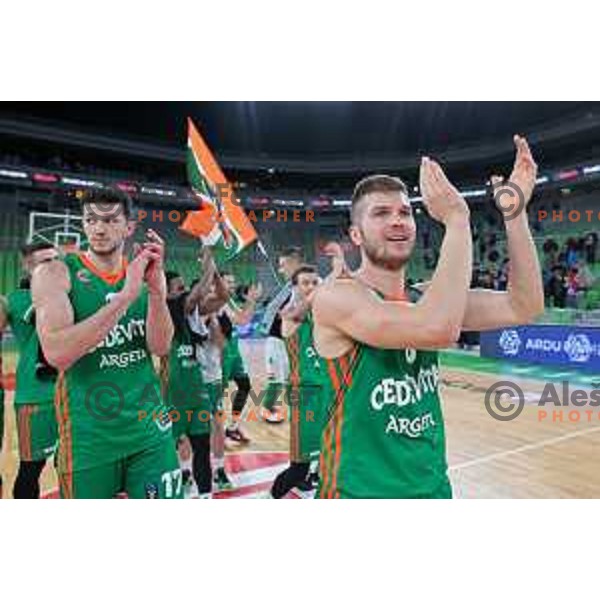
{"x":186,"y":477}
{"x":310,"y":483}
{"x":305,"y":486}
{"x":314,"y":479}
{"x":222,"y":481}
{"x":237,"y":435}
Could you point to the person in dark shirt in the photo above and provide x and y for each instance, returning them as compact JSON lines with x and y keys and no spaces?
{"x":182,"y":385}
{"x":556,"y":289}
{"x":590,"y":247}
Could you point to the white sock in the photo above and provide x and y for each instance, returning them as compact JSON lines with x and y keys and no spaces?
{"x":220,"y":463}
{"x":186,"y":465}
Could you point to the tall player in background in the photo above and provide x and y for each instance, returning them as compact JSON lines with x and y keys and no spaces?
{"x":99,"y":320}
{"x":309,"y":391}
{"x":35,"y":379}
{"x":277,"y":365}
{"x":306,"y":395}
{"x":385,"y":436}
{"x":238,"y":311}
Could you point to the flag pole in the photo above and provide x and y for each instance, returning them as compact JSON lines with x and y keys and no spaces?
{"x":266,"y":256}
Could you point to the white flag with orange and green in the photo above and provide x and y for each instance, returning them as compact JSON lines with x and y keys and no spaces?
{"x":220,"y":221}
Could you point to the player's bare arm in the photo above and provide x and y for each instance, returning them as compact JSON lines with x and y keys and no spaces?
{"x":63,"y":341}
{"x":292,"y":317}
{"x":523,"y":301}
{"x":159,"y":325}
{"x":217,"y":299}
{"x":345,"y":310}
{"x":202,"y":289}
{"x":295,"y":313}
{"x":242,"y":315}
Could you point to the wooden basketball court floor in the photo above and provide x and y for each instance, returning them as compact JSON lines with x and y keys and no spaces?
{"x":532,"y":456}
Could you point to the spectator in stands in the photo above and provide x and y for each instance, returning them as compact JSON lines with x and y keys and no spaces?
{"x":487,"y":280}
{"x":590,"y":246}
{"x":502,"y":277}
{"x":573,"y":288}
{"x":550,"y":248}
{"x":492,"y":259}
{"x":586,"y":278}
{"x":556,"y":290}
{"x":572,"y":255}
{"x":482,"y":246}
{"x":475,"y":275}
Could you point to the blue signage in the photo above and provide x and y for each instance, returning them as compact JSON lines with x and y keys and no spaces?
{"x":554,"y":344}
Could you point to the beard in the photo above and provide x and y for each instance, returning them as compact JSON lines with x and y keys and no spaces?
{"x":378,"y":256}
{"x":105,"y":250}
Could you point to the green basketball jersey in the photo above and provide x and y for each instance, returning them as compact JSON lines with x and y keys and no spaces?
{"x":306,"y":366}
{"x":310,"y":393}
{"x":183,"y":378}
{"x":231,"y":349}
{"x":29,"y":389}
{"x":109,"y":404}
{"x":385,"y":435}
{"x":234,"y":306}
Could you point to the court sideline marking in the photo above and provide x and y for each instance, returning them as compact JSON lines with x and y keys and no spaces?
{"x":520,"y":449}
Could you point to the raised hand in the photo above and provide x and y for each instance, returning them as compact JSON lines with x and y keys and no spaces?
{"x":155,"y":272}
{"x":441,"y":199}
{"x":207,"y":262}
{"x":136,"y":273}
{"x":338,"y":261}
{"x":513,"y":196}
{"x":255,"y":291}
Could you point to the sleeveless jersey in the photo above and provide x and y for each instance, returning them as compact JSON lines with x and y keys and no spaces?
{"x":109,"y":405}
{"x":233,"y":335}
{"x":310,"y":392}
{"x":210,"y":360}
{"x":385,"y":435}
{"x":306,"y":366}
{"x":30,"y":388}
{"x":182,"y":384}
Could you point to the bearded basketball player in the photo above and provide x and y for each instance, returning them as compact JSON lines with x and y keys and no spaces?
{"x":385,"y":435}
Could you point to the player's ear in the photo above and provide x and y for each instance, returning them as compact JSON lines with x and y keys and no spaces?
{"x":355,"y":235}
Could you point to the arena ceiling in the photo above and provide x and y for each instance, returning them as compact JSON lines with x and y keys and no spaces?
{"x":331,"y":135}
